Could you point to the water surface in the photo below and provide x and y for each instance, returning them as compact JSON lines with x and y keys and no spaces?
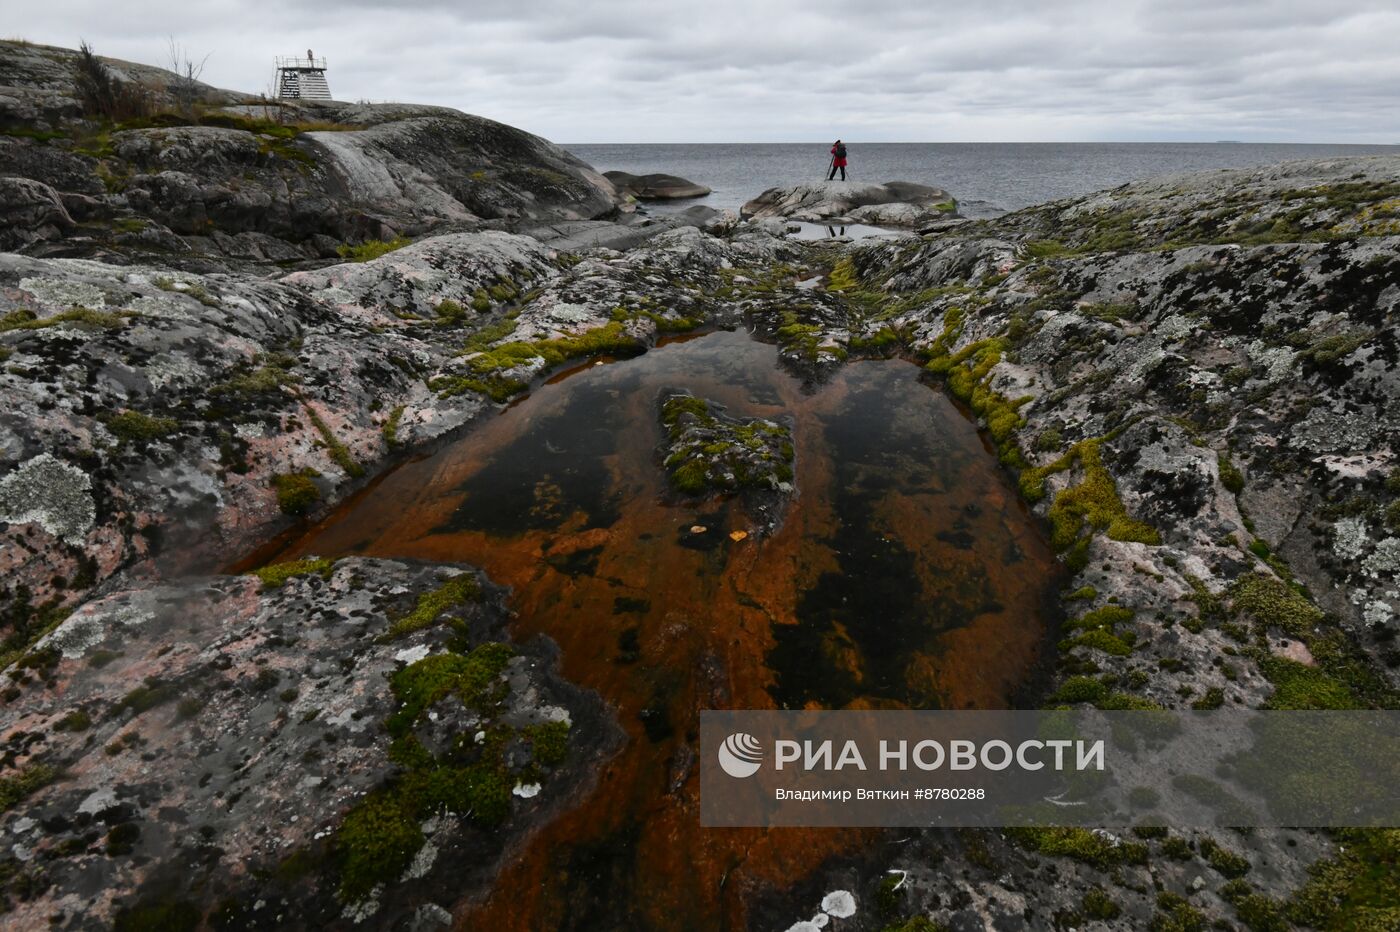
{"x":906,"y":574}
{"x":985,"y":177}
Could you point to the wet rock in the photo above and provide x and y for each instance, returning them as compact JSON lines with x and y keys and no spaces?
{"x":656,"y":187}
{"x":708,"y":450}
{"x":211,"y":742}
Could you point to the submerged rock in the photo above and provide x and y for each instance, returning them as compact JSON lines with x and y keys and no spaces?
{"x":894,"y":203}
{"x":656,"y":187}
{"x":708,"y":451}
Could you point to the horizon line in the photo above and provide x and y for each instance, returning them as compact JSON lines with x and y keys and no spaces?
{"x":994,"y":142}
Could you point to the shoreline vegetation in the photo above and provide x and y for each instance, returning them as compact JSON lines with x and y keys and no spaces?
{"x":220,"y":318}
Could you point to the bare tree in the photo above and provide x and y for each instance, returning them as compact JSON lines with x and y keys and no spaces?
{"x":185,"y":87}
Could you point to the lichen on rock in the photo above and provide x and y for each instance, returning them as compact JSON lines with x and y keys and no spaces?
{"x":51,"y":493}
{"x":708,"y":450}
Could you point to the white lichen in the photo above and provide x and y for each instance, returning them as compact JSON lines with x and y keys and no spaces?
{"x":64,"y":294}
{"x":1276,"y":360}
{"x":839,"y":903}
{"x":1349,"y":538}
{"x":422,"y":862}
{"x":1384,"y":562}
{"x":1378,"y":613}
{"x":412,"y":655}
{"x":51,"y":493}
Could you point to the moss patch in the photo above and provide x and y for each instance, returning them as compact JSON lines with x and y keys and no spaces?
{"x":380,"y":835}
{"x":371,"y":249}
{"x":1081,"y":845}
{"x":275,"y":574}
{"x":82,"y":317}
{"x":296,"y":493}
{"x":1358,"y":890}
{"x":459,"y":590}
{"x":135,"y":427}
{"x":13,"y":789}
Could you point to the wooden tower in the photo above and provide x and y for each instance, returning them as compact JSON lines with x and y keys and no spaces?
{"x":302,"y":78}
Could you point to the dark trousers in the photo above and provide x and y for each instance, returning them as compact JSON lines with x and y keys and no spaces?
{"x":834,"y":167}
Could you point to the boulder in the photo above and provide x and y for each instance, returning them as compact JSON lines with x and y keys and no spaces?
{"x":30,"y":211}
{"x":900,"y":204}
{"x":657,"y":187}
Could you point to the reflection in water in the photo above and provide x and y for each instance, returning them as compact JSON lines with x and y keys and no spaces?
{"x":906,"y":574}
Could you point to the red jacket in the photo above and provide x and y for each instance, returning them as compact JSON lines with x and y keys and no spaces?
{"x":838,"y":160}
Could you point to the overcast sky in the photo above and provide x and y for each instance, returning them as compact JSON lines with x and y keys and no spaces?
{"x":800,"y":70}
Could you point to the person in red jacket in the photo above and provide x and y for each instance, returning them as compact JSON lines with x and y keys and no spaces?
{"x":838,"y":160}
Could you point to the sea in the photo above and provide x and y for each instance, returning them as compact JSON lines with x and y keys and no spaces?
{"x":987,"y":178}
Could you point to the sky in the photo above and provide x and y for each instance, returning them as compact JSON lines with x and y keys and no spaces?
{"x":579,"y":71}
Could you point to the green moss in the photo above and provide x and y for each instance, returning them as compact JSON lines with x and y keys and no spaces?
{"x":472,"y":677}
{"x":1356,"y":890}
{"x":1081,"y":845}
{"x":1214,"y":698}
{"x":692,"y":478}
{"x":77,"y":720}
{"x":1079,"y":689}
{"x":1083,"y":594}
{"x":376,"y":842}
{"x":843,"y":276}
{"x":135,"y":427}
{"x":145,"y":697}
{"x":459,"y":590}
{"x":677,"y":406}
{"x":15,"y":788}
{"x":83,"y":318}
{"x":1230,"y":475}
{"x":275,"y":574}
{"x":1097,"y":904}
{"x":1297,"y":686}
{"x":1094,"y":502}
{"x":489,"y":334}
{"x":1109,"y":313}
{"x":1099,"y":639}
{"x":336,"y":450}
{"x":1105,"y":617}
{"x":449,"y":311}
{"x":1176,"y":915}
{"x":1274,"y":604}
{"x":1126,"y":702}
{"x":1223,"y":859}
{"x":261,"y":381}
{"x":1259,"y":913}
{"x":371,"y":249}
{"x":1046,"y":249}
{"x":610,"y":339}
{"x":549,"y":742}
{"x":296,"y":493}
{"x":497,"y":388}
{"x":391,"y":427}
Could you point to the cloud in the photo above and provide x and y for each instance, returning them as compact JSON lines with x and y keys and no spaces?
{"x":797,"y":70}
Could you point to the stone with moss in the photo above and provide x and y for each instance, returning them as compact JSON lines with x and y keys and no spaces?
{"x":708,"y":450}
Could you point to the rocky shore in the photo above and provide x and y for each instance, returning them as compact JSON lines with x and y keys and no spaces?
{"x":214,"y":329}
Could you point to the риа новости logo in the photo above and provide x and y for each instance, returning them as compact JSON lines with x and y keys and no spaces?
{"x":740,"y":755}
